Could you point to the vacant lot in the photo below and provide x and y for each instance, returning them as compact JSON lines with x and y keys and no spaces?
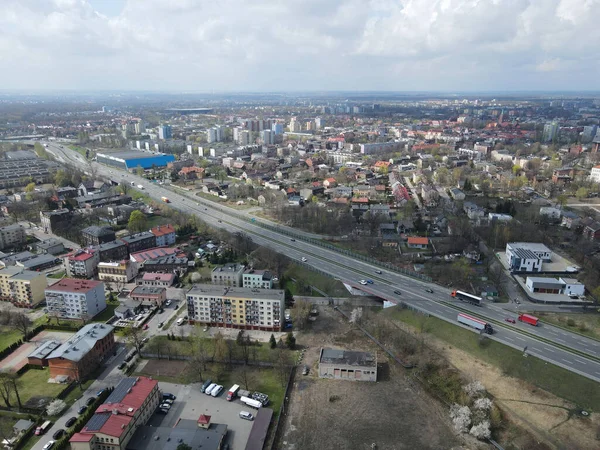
{"x":393,"y":413}
{"x":588,"y":323}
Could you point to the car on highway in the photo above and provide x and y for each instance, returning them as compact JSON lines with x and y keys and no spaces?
{"x":510,"y":320}
{"x":379,"y":272}
{"x":58,"y":434}
{"x":81,"y":409}
{"x":429,"y":290}
{"x":69,"y":423}
{"x":363,"y":282}
{"x":397,"y":292}
{"x":293,"y":240}
{"x":220,"y":221}
{"x":48,"y":445}
{"x":304,"y":259}
{"x":370,"y":281}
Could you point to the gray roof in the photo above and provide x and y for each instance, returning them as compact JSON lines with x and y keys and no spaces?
{"x":84,"y":340}
{"x":45,"y":349}
{"x":39,"y":261}
{"x":170,"y":259}
{"x":204,"y":290}
{"x":109,"y":245}
{"x":48,"y":243}
{"x":347,"y":358}
{"x":533,"y":246}
{"x":95,"y":230}
{"x":147,"y":290}
{"x":168,"y":438}
{"x":229,"y":267}
{"x":546,"y":283}
{"x":137,"y":237}
{"x":524,"y":253}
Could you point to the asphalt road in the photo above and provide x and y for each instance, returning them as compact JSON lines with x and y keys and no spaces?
{"x":568,"y":350}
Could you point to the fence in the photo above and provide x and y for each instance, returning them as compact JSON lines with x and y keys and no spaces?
{"x":283,"y":411}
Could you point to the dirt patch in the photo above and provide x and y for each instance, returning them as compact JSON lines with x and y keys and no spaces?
{"x":392,"y":414}
{"x":163,"y":368}
{"x":18,"y":358}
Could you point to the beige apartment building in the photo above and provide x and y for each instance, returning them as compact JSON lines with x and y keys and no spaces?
{"x":236,"y":307}
{"x":117,"y":272}
{"x":23,"y":288}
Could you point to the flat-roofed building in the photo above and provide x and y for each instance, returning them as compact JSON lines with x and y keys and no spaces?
{"x":12,"y":236}
{"x":228,"y":274}
{"x":527,"y":256}
{"x":75,"y":298}
{"x":261,"y":279}
{"x":117,"y":271}
{"x":149,"y":297}
{"x":347,"y":365}
{"x":236,"y":307}
{"x":23,"y":288}
{"x":130,"y":406}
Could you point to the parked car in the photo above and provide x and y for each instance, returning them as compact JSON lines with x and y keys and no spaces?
{"x":165,"y":406}
{"x":100,"y":392}
{"x":246,"y":415}
{"x":305,"y":370}
{"x":167,"y":401}
{"x":81,"y":410}
{"x":69,"y":423}
{"x":162,"y":411}
{"x":206,"y":384}
{"x":48,"y":445}
{"x":510,"y":320}
{"x":397,"y":292}
{"x":89,"y":401}
{"x":216,"y":391}
{"x":58,"y":434}
{"x":169,"y":396}
{"x":160,"y":325}
{"x":122,"y":365}
{"x":146,"y":339}
{"x":168,"y":303}
{"x":209,"y":389}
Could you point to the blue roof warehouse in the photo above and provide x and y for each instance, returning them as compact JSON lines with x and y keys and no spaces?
{"x":132,"y":159}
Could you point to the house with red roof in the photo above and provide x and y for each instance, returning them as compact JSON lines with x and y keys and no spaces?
{"x":417,"y":242}
{"x":157,"y":279}
{"x":129,"y":406}
{"x":330,"y":182}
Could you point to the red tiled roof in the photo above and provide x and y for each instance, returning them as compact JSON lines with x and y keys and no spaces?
{"x":360,"y":200}
{"x":153,"y":253}
{"x":115,"y":426}
{"x":151,"y":276}
{"x":72,"y":284}
{"x":418,"y":240}
{"x":161,"y":230}
{"x":81,"y":255}
{"x":204,"y":419}
{"x":187,"y":170}
{"x":330,"y":180}
{"x":81,"y":437}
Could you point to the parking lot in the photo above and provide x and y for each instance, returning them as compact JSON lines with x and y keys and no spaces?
{"x":190,"y":403}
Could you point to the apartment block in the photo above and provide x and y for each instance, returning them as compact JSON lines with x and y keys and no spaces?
{"x":75,"y":298}
{"x":12,"y":236}
{"x":228,"y":274}
{"x":23,"y":288}
{"x":82,"y":263}
{"x":128,"y":407}
{"x":140,"y":241}
{"x":165,"y":235}
{"x":257,"y":279}
{"x":236,"y":307}
{"x":96,"y":235}
{"x":51,"y":220}
{"x":117,"y":271}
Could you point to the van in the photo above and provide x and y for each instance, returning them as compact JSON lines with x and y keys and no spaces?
{"x":246,"y":415}
{"x":210,"y":388}
{"x":206,"y":384}
{"x":180,"y":321}
{"x":216,"y":391}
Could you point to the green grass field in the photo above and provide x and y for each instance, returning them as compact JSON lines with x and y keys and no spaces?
{"x":560,"y":382}
{"x":34,"y":383}
{"x":308,"y":277}
{"x":587,"y":324}
{"x":107,"y":313}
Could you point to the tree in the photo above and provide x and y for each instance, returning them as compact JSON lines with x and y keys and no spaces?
{"x":272,"y":342}
{"x":561,"y":200}
{"x":582,"y":193}
{"x":282,"y":364}
{"x":300,"y":313}
{"x":139,"y":171}
{"x":124,"y":186}
{"x":62,"y":178}
{"x":134,"y":336}
{"x":55,"y":407}
{"x":137,"y":222}
{"x":290,"y":341}
{"x":20,"y":322}
{"x":183,"y":446}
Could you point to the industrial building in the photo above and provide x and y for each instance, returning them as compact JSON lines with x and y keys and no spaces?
{"x":347,"y":365}
{"x":236,"y":307}
{"x":565,"y":286}
{"x":132,"y":159}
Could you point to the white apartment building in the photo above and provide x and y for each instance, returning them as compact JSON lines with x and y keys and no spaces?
{"x":228,"y":274}
{"x":75,"y":299}
{"x":236,"y":307}
{"x":595,"y":174}
{"x":82,"y":263}
{"x":257,"y":279}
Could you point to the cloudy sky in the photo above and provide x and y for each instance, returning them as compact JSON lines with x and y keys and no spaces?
{"x":290,"y":45}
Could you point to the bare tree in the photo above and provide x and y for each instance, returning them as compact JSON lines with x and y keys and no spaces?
{"x":134,"y":336}
{"x":248,"y":378}
{"x":5,"y":388}
{"x":300,"y":313}
{"x":220,"y":347}
{"x":21,"y":322}
{"x":282,"y":364}
{"x":199,"y":357}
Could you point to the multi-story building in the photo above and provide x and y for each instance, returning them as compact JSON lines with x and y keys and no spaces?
{"x":170,"y":264}
{"x":23,"y":288}
{"x":267,"y":137}
{"x":117,"y":272}
{"x":243,"y":308}
{"x":51,"y":220}
{"x":128,"y":407}
{"x":83,"y":353}
{"x":112,"y":251}
{"x":228,"y":274}
{"x":82,"y":263}
{"x":157,"y":279}
{"x":550,"y":132}
{"x":527,"y":256}
{"x":149,"y":297}
{"x":277,"y":128}
{"x":320,"y":123}
{"x":165,"y":235}
{"x":257,"y":279}
{"x":140,"y":241}
{"x":96,"y":235}
{"x":75,"y":299}
{"x":165,"y":132}
{"x":595,"y":174}
{"x":12,"y":236}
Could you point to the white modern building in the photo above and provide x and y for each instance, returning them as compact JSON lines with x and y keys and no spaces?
{"x":527,"y":256}
{"x":257,"y":279}
{"x":236,"y":307}
{"x":75,"y":299}
{"x":565,"y":286}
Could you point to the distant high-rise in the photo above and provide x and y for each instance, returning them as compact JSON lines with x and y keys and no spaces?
{"x":211,"y":135}
{"x":320,"y":123}
{"x":165,"y":132}
{"x":267,"y":137}
{"x":589,"y":132}
{"x":244,"y":137}
{"x":139,"y":127}
{"x":277,"y":128}
{"x":295,"y":125}
{"x":550,"y":132}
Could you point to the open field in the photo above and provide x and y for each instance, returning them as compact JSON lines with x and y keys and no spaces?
{"x":561,"y":382}
{"x":307,"y":277}
{"x":34,"y":387}
{"x":533,"y":414}
{"x":105,"y":315}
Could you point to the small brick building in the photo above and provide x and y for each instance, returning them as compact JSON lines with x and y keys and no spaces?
{"x":347,"y":365}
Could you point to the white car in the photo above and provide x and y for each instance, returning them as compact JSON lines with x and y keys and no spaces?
{"x":210,"y":388}
{"x":48,"y":445}
{"x":216,"y":391}
{"x":168,"y":303}
{"x":363,"y":282}
{"x":304,"y":259}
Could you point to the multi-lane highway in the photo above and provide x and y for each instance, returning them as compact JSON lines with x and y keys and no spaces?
{"x":569,"y":350}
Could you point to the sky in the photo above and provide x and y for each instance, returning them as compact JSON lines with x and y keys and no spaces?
{"x":300,"y":45}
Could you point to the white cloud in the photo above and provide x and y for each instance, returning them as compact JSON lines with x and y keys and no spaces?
{"x":301,"y":44}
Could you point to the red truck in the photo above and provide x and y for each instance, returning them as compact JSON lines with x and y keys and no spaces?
{"x":531,"y":320}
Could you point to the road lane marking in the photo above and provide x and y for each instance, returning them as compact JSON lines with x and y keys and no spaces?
{"x":548,"y":349}
{"x":560,"y":340}
{"x":568,"y":362}
{"x":580,"y":361}
{"x":509,"y":339}
{"x":520,"y":338}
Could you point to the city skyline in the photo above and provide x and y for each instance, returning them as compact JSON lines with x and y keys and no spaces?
{"x":345,"y":45}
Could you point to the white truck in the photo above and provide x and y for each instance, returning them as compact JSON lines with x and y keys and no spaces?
{"x":140,"y":187}
{"x":251,"y":402}
{"x":473,"y":322}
